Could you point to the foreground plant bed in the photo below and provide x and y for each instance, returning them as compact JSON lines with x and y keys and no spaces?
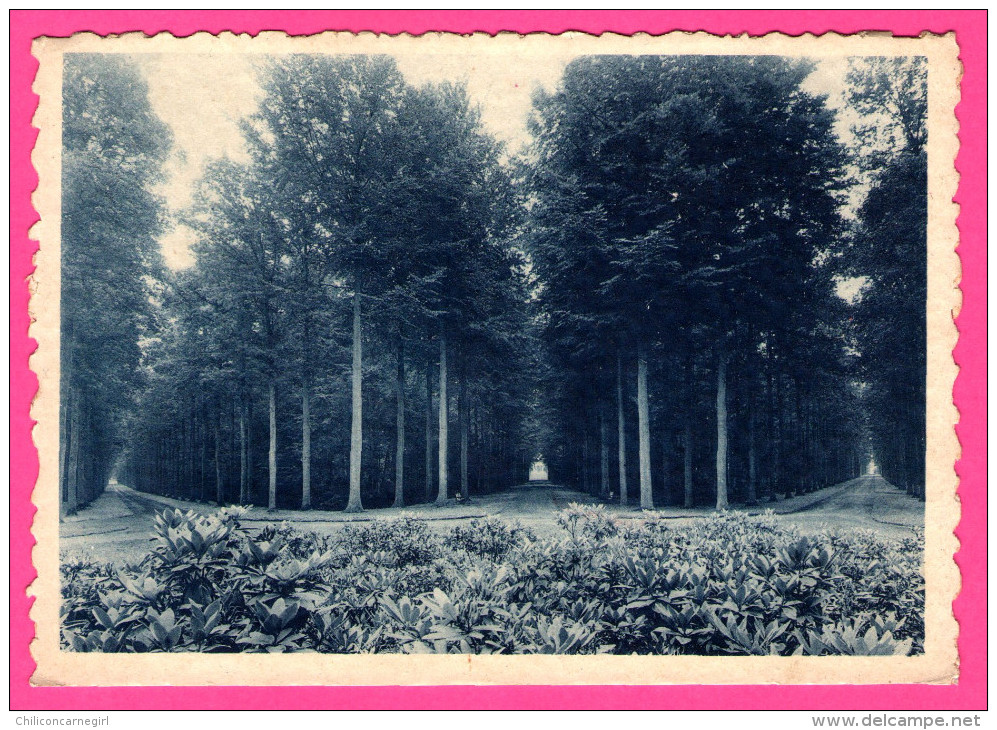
{"x":727,"y":585}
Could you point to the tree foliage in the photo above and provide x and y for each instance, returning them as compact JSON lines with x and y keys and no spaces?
{"x":384,"y":308}
{"x":113,"y":150}
{"x":681,"y":208}
{"x":889,"y":248}
{"x":372,"y":227}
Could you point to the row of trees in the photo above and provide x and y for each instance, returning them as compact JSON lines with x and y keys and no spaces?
{"x":113,"y":148}
{"x":383,"y":310}
{"x":366,"y":247}
{"x":889,"y":247}
{"x":684,"y":206}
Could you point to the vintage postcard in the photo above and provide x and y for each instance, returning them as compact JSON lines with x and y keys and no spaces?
{"x":514,"y":359}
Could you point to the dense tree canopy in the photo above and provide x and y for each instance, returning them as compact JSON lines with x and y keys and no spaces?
{"x":385,"y":309}
{"x":681,"y":207}
{"x":113,"y":149}
{"x":889,"y":249}
{"x":373,"y":229}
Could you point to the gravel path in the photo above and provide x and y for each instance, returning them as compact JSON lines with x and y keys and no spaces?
{"x":116,"y":526}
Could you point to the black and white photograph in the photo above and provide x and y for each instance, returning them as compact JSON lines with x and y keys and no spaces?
{"x":598,"y":354}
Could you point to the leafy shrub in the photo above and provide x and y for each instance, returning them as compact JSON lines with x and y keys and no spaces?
{"x":298,"y":543}
{"x":729,"y":585}
{"x":587,"y":521}
{"x":490,"y":537}
{"x":402,"y":541}
{"x":880,"y":578}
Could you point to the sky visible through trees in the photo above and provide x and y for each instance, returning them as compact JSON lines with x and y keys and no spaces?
{"x":697,"y":281}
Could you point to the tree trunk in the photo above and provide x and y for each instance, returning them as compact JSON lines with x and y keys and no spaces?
{"x":486,"y":438}
{"x":603,"y":452}
{"x":722,"y":432}
{"x":64,"y":431}
{"x":646,"y":496}
{"x":306,"y":384}
{"x":306,"y":442}
{"x":219,"y":483}
{"x":621,"y":439}
{"x":83,"y":486}
{"x":184,"y":487}
{"x":74,"y":455}
{"x":462,"y":417}
{"x":441,"y":496}
{"x":778,"y":427}
{"x":400,"y":426}
{"x":796,"y":440}
{"x":203,"y":435}
{"x":192,"y":453}
{"x":232,"y":437}
{"x":772,"y":470}
{"x":687,"y":491}
{"x":665,"y":465}
{"x":429,"y":429}
{"x":189,"y":426}
{"x":65,"y":447}
{"x":65,"y":434}
{"x":356,"y":432}
{"x":478,"y":451}
{"x":752,"y":457}
{"x":176,"y":459}
{"x":250,"y":491}
{"x":272,"y":463}
{"x":585,"y":460}
{"x":243,"y":453}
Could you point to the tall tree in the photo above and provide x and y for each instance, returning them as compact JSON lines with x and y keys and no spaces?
{"x":453,"y":277}
{"x":602,"y":239}
{"x":334,"y":120}
{"x":113,"y":148}
{"x":243,"y":268}
{"x":621,"y":431}
{"x":889,"y":249}
{"x":631,"y":159}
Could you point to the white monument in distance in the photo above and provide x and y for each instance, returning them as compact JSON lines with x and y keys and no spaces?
{"x":538,"y":471}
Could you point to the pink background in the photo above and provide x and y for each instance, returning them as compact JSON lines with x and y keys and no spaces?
{"x":970,"y":388}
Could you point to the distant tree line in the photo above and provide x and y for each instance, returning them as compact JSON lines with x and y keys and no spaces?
{"x":889,"y":246}
{"x":113,"y":149}
{"x":357,"y":279}
{"x":384,"y":309}
{"x":685,"y":207}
